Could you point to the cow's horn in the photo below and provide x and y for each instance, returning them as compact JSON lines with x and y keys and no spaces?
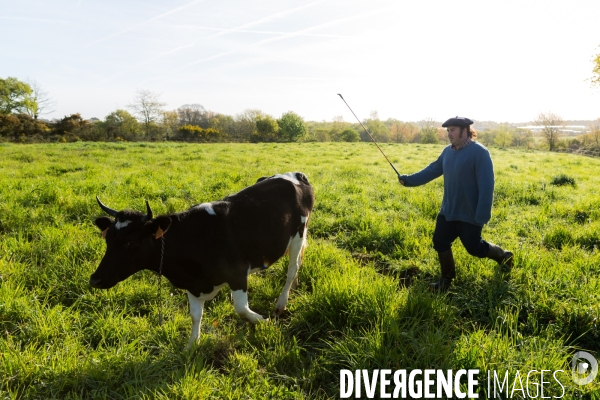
{"x":148,"y":215}
{"x":106,"y":209}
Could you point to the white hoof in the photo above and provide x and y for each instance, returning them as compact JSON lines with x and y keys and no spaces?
{"x":253,"y":318}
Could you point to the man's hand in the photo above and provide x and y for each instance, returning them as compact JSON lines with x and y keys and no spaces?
{"x":401,"y":181}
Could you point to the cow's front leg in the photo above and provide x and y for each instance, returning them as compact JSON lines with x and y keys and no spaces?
{"x":240,"y":304}
{"x":196,"y":312}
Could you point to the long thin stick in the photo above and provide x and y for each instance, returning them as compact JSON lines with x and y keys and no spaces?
{"x":361,"y":124}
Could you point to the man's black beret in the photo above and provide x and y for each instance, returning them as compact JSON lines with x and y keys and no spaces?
{"x":458,"y":121}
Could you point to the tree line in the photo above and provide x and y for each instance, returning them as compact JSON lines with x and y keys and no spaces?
{"x":145,"y":119}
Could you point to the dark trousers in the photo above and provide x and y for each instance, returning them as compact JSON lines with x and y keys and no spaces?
{"x":470,"y":236}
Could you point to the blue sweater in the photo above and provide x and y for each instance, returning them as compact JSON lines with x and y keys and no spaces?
{"x":468,"y":183}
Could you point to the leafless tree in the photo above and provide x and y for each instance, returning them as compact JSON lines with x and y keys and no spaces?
{"x":42,"y":102}
{"x":147,"y":107}
{"x":552,"y":126}
{"x":245,"y":124}
{"x":191,"y":114}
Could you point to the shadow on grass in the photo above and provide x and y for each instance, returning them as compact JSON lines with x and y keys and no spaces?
{"x":481,"y":301}
{"x":413,"y":330}
{"x":112,"y":378}
{"x":406,"y":277}
{"x":477,"y":299}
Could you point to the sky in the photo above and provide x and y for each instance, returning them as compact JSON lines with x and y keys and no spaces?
{"x":503,"y":61}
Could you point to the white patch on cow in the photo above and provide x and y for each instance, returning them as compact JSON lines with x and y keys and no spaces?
{"x":296,"y":248}
{"x":240,"y":304}
{"x":208,"y":208}
{"x":303,"y":219}
{"x":123,"y":224}
{"x":288,"y":176}
{"x":196,"y":311}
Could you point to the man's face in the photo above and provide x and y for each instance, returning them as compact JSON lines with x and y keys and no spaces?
{"x":456,"y":135}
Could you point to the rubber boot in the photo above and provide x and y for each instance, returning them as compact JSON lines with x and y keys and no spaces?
{"x":503,"y":258}
{"x":448,"y":271}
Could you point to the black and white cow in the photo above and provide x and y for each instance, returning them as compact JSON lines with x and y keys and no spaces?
{"x":213,"y":244}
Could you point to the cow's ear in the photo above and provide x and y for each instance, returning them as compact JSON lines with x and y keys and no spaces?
{"x":160,"y":226}
{"x":103,"y":223}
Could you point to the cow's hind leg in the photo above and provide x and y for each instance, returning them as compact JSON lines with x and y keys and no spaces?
{"x":300,"y":262}
{"x":196,"y":312}
{"x":296,"y":248}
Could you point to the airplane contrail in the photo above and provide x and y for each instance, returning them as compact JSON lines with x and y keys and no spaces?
{"x":243,"y":27}
{"x":33,"y":19}
{"x":222,"y":31}
{"x":206,"y":28}
{"x":143,"y":23}
{"x":282,"y":37}
{"x":265,"y":19}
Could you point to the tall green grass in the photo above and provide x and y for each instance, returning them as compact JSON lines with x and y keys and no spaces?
{"x":362,"y":301}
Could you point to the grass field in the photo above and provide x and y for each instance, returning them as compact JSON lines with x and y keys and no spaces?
{"x":362,"y":300}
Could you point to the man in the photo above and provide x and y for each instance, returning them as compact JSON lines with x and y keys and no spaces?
{"x":467,"y":203}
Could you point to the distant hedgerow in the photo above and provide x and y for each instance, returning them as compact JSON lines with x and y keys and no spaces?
{"x":562,"y":180}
